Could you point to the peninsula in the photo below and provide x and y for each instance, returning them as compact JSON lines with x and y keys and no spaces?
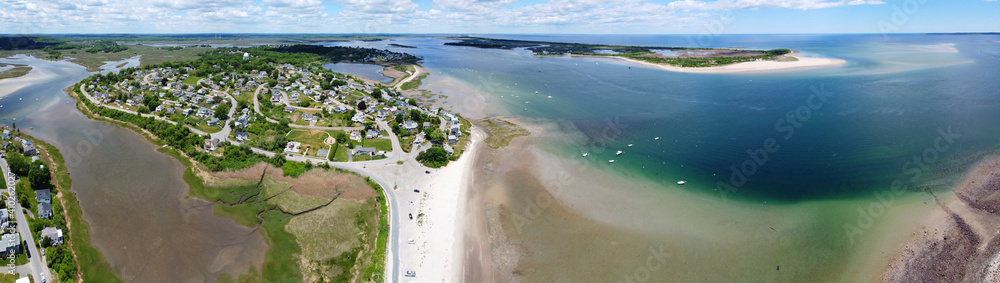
{"x":677,"y":59}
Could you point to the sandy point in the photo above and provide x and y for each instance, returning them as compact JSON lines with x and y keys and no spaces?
{"x":748,"y":67}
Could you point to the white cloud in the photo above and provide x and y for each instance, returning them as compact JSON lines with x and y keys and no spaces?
{"x":372,"y":16}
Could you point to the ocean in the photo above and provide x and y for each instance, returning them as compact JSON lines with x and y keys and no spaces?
{"x":873,"y":114}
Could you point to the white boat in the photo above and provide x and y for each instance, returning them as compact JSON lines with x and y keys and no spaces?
{"x":585,"y":154}
{"x":611,"y":161}
{"x":629,"y":145}
{"x":656,"y":138}
{"x":550,"y":96}
{"x":681,"y":183}
{"x":618,"y":153}
{"x":19,"y":99}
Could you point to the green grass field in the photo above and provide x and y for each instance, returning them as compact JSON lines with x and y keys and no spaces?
{"x":313,"y":139}
{"x":380,"y":144}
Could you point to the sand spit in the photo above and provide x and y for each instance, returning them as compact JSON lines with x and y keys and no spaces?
{"x":745,"y":67}
{"x":961,"y":241}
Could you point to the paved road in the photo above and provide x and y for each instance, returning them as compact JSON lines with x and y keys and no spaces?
{"x":83,"y":89}
{"x":37,"y":266}
{"x":223,"y":135}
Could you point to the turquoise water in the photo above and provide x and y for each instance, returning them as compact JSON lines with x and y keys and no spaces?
{"x":885,"y":106}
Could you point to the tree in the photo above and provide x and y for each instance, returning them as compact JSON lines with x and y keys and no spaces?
{"x":39,"y":176}
{"x":18,"y":164}
{"x":377,"y":94}
{"x":412,"y":102}
{"x":434,"y":157}
{"x":341,"y":137}
{"x":222,"y":112}
{"x":362,"y":106}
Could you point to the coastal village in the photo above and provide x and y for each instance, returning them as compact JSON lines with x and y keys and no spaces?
{"x":32,"y":221}
{"x":322,"y":115}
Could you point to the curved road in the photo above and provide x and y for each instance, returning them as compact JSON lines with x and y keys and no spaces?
{"x":392,"y":262}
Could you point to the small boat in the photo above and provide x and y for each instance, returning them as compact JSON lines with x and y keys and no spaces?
{"x":19,"y":99}
{"x":526,"y":102}
{"x":585,"y":154}
{"x":611,"y":161}
{"x":656,"y":138}
{"x":618,"y":153}
{"x":629,"y":145}
{"x":550,"y":96}
{"x":681,"y":183}
{"x":536,"y":92}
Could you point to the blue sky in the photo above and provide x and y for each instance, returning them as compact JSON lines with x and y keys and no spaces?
{"x":499,"y":16}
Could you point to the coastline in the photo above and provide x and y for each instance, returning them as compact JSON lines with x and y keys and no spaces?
{"x":960,"y":239}
{"x":745,"y":67}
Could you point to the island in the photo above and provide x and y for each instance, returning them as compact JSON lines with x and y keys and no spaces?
{"x":678,"y":59}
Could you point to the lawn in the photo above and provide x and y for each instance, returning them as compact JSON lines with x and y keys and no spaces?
{"x":208,"y":129}
{"x":380,"y":144}
{"x":312,"y":138}
{"x":192,"y":80}
{"x":341,"y":153}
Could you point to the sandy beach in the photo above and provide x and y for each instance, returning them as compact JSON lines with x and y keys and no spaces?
{"x":8,"y":86}
{"x":746,"y":67}
{"x":431,"y":243}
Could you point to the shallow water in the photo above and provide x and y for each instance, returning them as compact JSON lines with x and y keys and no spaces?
{"x":132,"y":196}
{"x":818,"y":206}
{"x":368,"y":71}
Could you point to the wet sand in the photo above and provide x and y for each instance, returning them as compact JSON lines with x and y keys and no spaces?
{"x":960,"y":241}
{"x":547,"y":218}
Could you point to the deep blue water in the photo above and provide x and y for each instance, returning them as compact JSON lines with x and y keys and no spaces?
{"x":885,"y":106}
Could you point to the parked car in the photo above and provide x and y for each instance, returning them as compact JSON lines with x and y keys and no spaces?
{"x":428,"y":172}
{"x":411,"y":273}
{"x":411,"y":216}
{"x":416,"y":190}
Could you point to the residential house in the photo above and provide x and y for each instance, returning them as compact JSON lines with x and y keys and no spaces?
{"x":6,"y":134}
{"x":54,"y":234}
{"x":371,"y":134}
{"x":359,"y":150}
{"x":289,"y":109}
{"x":5,"y":144}
{"x":358,"y":118}
{"x":452,"y":139}
{"x":30,"y":150}
{"x":205,"y":112}
{"x":340,"y":109}
{"x":292,"y":147}
{"x":187,"y":112}
{"x":449,"y":149}
{"x":160,"y":108}
{"x":45,"y":210}
{"x":409,"y":125}
{"x":241,"y":136}
{"x":11,"y":243}
{"x":456,"y":130}
{"x":43,"y":196}
{"x":309,"y":117}
{"x":211,"y":144}
{"x":214,"y":121}
{"x":356,"y":136}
